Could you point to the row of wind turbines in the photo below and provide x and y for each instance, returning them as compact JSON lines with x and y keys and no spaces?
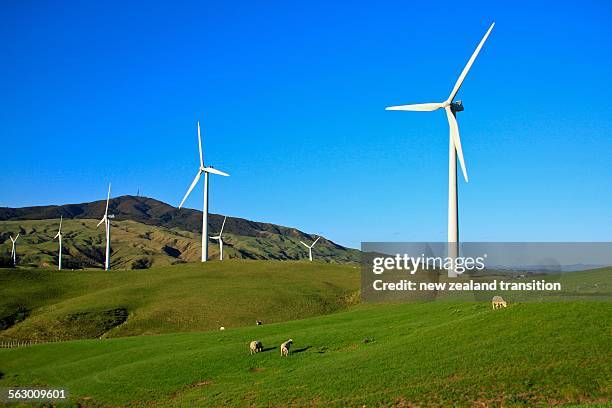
{"x":106,"y":218}
{"x":450,"y":106}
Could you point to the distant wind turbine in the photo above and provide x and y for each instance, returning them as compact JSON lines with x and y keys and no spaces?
{"x":14,"y":249}
{"x":107,"y":224}
{"x":220,"y":239}
{"x":455,"y":150}
{"x":206,"y":171}
{"x":59,"y":235}
{"x":310,"y":248}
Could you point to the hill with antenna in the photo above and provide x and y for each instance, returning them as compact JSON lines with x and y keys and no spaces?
{"x":149,"y":233}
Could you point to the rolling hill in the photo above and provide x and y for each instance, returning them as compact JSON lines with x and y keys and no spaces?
{"x":147,"y":233}
{"x":61,"y":305}
{"x":443,"y":353}
{"x":401,"y":355}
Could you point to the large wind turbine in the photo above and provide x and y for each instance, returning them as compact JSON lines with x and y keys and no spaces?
{"x":310,"y":247}
{"x":107,"y":225}
{"x":59,"y":235}
{"x":455,"y":150}
{"x":220,"y":239}
{"x":14,"y":249}
{"x":206,"y":171}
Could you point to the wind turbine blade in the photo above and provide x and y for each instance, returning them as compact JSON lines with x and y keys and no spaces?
{"x":101,"y":221}
{"x":454,"y":134}
{"x":307,"y":246}
{"x":419,"y":107}
{"x":19,"y":233}
{"x":193,"y":184}
{"x":217,"y":237}
{"x":61,"y":219}
{"x":200,"y":146}
{"x":222,"y":226}
{"x":469,"y":65}
{"x":56,"y":235}
{"x":215,"y":171}
{"x":107,"y":200}
{"x":318,"y":238}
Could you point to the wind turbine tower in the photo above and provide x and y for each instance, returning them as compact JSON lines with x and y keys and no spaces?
{"x":454,"y":150}
{"x":59,"y":235}
{"x":206,"y":170}
{"x":107,"y":226}
{"x":220,"y":239}
{"x":14,"y":249}
{"x":310,"y":247}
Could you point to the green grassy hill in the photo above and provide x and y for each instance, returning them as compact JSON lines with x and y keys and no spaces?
{"x":47,"y":305}
{"x":434,"y":354}
{"x":444,"y":353}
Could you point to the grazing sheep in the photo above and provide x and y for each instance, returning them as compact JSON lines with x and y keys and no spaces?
{"x":221,"y":328}
{"x":259,"y":322}
{"x":255,"y":346}
{"x":285,"y":347}
{"x":498,"y":302}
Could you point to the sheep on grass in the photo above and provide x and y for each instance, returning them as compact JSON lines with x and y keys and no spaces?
{"x":284,"y":348}
{"x":255,"y":346}
{"x":498,"y":302}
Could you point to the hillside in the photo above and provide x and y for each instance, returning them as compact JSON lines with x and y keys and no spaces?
{"x":52,"y":305}
{"x":444,"y":353}
{"x":147,"y":233}
{"x":151,"y":212}
{"x":423,"y":354}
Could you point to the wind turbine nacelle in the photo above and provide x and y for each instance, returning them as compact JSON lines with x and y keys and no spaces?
{"x":110,"y":216}
{"x":457,"y":106}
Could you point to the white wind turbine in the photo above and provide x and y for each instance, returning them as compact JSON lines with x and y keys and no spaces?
{"x":59,"y":235}
{"x":220,"y":239}
{"x":107,"y":224}
{"x":455,"y":150}
{"x":206,"y":171}
{"x":14,"y":249}
{"x":310,"y":247}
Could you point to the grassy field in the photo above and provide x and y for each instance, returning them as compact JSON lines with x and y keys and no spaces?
{"x":439,"y":353}
{"x":180,"y":298}
{"x":444,"y":353}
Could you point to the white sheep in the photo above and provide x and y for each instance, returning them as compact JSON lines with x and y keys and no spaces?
{"x":255,"y":346}
{"x":284,"y":348}
{"x":498,"y":302}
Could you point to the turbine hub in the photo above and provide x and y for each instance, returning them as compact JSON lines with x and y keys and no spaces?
{"x":456,"y":106}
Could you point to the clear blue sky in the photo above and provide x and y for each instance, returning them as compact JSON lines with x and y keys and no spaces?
{"x":291,"y":97}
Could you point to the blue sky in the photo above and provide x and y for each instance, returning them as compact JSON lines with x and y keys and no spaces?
{"x":291,"y":98}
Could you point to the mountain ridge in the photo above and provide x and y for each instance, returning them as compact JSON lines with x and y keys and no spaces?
{"x":151,"y":211}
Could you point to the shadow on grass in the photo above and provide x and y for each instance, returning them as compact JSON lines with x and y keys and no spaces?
{"x":292,"y":351}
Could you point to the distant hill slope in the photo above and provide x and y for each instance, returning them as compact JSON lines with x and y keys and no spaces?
{"x":147,"y":232}
{"x":151,"y":212}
